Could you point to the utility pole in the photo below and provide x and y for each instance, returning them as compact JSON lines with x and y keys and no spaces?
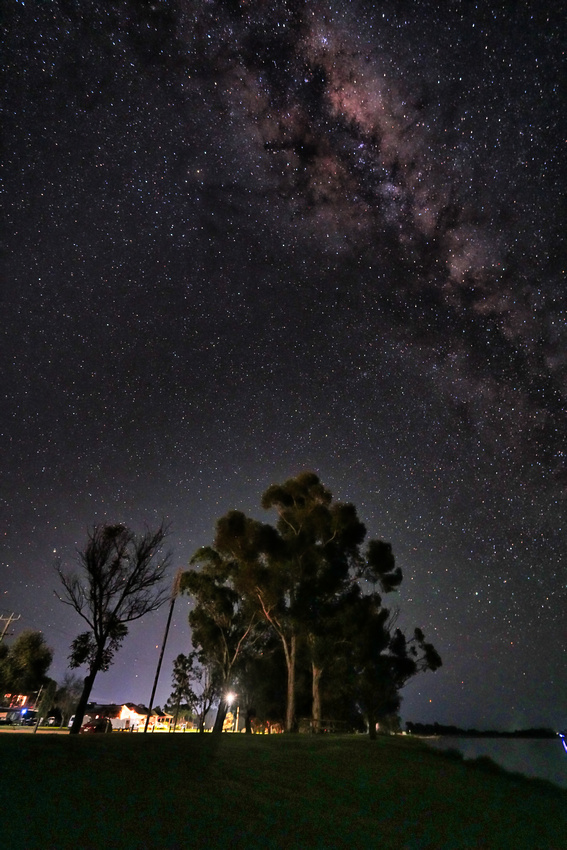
{"x":9,"y":620}
{"x":174,"y":595}
{"x":37,"y":709}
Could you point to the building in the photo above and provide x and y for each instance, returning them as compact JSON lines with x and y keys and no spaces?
{"x":130,"y":717}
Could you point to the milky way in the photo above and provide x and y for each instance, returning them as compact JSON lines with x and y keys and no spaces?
{"x":373,"y":162}
{"x":246,"y":239}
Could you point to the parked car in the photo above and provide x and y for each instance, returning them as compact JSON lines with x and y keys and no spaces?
{"x":28,"y":717}
{"x":100,"y":724}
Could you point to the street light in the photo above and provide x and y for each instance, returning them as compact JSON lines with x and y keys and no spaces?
{"x":230,"y":697}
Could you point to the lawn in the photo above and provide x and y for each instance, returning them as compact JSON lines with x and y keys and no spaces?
{"x":190,"y":791}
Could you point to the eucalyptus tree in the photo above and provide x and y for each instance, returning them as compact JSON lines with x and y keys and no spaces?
{"x":262,"y":576}
{"x":294,"y":575}
{"x":309,"y":579}
{"x":322,"y":540}
{"x":120,"y":579}
{"x":381,"y":659}
{"x":196,"y":687}
{"x":222,"y":623}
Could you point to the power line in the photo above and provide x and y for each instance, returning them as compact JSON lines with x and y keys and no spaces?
{"x":11,"y":619}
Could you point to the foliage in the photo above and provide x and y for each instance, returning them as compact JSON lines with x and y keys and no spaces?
{"x":313,"y":584}
{"x":309,"y":582}
{"x":222,"y":624}
{"x":46,"y":699}
{"x":67,"y":696}
{"x":24,"y":664}
{"x":380,"y":659}
{"x":196,"y":686}
{"x":119,"y":581}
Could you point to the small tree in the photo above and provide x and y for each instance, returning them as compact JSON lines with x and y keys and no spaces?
{"x":24,"y":665}
{"x":221,"y":624}
{"x":196,"y":687}
{"x":120,"y":580}
{"x":68,"y":695}
{"x":46,"y":699}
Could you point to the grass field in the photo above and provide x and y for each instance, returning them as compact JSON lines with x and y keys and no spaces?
{"x":280,"y":791}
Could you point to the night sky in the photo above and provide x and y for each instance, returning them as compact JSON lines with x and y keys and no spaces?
{"x":247,"y":239}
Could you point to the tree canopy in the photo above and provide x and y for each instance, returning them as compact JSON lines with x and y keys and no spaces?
{"x":312,"y":583}
{"x":120,"y":579}
{"x":24,"y":663}
{"x":196,"y":686}
{"x":222,"y":623}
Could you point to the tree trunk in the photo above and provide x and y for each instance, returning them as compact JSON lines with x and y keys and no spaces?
{"x":250,"y":714}
{"x":372,"y":725}
{"x":221,"y":716}
{"x":176,"y":715}
{"x":83,"y":701}
{"x":316,"y":709}
{"x":290,"y":661}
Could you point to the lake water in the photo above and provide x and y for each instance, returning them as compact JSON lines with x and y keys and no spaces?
{"x":543,"y":758}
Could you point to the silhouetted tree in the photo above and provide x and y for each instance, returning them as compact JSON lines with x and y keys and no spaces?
{"x":221,"y":624}
{"x":120,"y":580}
{"x":307,"y":580}
{"x":46,"y":699}
{"x":196,"y":686}
{"x":261,"y":679}
{"x":296,"y":574}
{"x":322,"y":540}
{"x":262,"y":578}
{"x":382,"y":659}
{"x":24,"y":664}
{"x":67,"y":696}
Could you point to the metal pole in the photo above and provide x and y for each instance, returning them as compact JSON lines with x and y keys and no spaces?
{"x":174,"y":594}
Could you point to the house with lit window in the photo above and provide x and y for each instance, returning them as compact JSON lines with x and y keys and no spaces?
{"x":130,"y":717}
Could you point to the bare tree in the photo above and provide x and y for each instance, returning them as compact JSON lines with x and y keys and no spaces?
{"x":120,"y":580}
{"x":68,"y":695}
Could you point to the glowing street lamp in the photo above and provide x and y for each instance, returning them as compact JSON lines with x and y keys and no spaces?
{"x":230,"y":697}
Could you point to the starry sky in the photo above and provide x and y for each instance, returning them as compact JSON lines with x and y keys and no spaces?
{"x":245,"y":239}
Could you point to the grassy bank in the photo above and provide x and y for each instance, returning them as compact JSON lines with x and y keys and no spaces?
{"x":188,"y":791}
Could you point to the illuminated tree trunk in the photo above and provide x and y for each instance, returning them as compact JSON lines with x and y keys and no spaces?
{"x":220,"y":718}
{"x":371,"y":724}
{"x":290,"y":651}
{"x":316,"y":710}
